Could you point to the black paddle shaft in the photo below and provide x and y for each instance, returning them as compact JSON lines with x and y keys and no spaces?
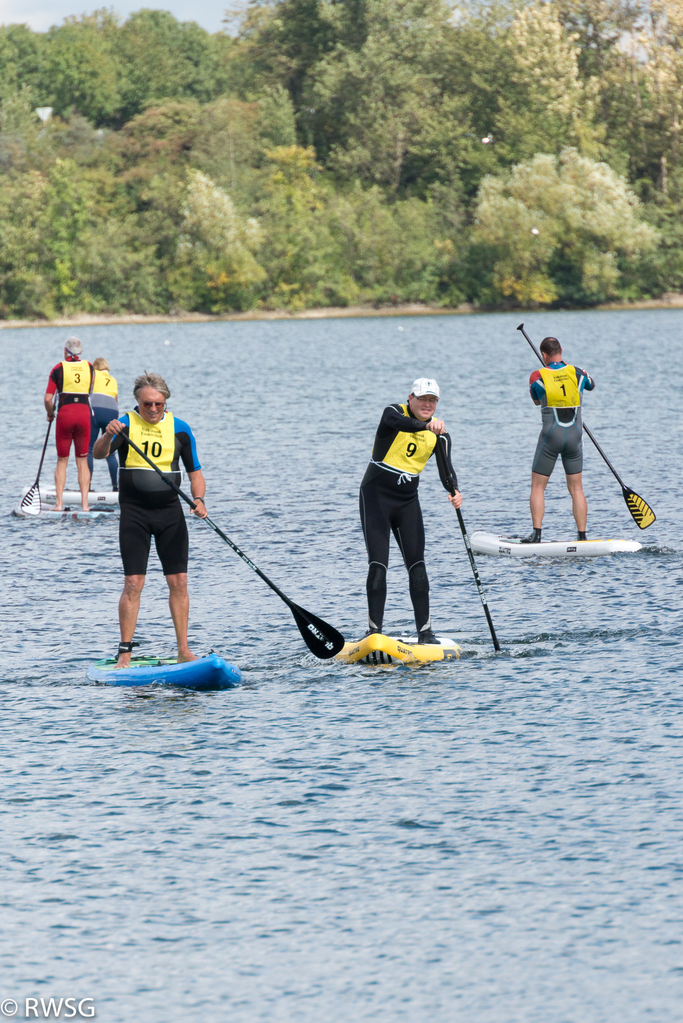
{"x":443,"y":460}
{"x":320,"y":638}
{"x":42,"y":457}
{"x":638,"y":507}
{"x":27,"y":499}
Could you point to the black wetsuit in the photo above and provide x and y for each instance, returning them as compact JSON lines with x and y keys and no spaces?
{"x":389,"y":504}
{"x":150,"y":508}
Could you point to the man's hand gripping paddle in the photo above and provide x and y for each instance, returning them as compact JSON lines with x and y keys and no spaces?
{"x":320,"y":638}
{"x":443,"y":445}
{"x":640,"y":510}
{"x":30,"y":502}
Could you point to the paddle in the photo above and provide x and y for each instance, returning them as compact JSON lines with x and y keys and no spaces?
{"x":443,"y":444}
{"x":320,"y":638}
{"x":30,"y":502}
{"x":640,"y":510}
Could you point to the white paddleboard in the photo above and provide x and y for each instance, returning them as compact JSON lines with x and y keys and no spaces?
{"x":102,"y":503}
{"x":512,"y":547}
{"x":96,"y":498}
{"x":67,"y":513}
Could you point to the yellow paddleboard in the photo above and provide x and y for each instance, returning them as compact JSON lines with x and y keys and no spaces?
{"x":380,"y":649}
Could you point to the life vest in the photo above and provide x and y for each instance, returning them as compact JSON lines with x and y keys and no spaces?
{"x":76,"y":383}
{"x":561,"y":388}
{"x":157,"y":440}
{"x":104,"y":383}
{"x":409,"y":452}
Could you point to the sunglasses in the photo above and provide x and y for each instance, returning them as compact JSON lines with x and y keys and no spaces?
{"x":153,"y":404}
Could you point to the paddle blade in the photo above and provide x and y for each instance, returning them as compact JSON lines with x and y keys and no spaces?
{"x":642,"y":513}
{"x":320,"y":638}
{"x":30,"y":502}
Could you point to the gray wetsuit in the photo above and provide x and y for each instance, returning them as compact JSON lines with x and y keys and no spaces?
{"x":562,"y":428}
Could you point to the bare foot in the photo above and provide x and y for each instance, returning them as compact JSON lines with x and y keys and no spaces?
{"x":123,"y":661}
{"x":58,"y":507}
{"x":182,"y":658}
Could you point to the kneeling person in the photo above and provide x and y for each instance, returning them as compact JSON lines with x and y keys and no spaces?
{"x":149,"y":507}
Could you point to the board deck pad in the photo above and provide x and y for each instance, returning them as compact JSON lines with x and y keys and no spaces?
{"x":381,"y":649}
{"x":512,"y":547}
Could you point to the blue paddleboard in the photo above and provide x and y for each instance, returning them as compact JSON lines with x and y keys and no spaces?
{"x":205,"y":673}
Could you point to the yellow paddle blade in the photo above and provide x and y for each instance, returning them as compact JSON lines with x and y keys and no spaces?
{"x":642,"y":513}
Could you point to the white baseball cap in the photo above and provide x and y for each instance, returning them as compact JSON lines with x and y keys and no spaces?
{"x":425,"y":385}
{"x":73,"y":346}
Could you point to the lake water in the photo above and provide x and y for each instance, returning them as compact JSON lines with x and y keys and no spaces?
{"x":491,"y":841}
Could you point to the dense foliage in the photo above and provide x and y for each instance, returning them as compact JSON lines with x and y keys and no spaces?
{"x":343,"y":151}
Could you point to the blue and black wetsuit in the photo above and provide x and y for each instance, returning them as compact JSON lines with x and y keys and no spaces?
{"x":149,"y":507}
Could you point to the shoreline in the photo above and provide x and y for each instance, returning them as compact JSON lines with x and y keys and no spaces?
{"x":671,"y":300}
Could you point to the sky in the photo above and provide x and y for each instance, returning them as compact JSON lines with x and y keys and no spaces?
{"x":40,"y":15}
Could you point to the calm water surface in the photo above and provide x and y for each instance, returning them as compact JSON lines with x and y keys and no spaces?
{"x":492,"y":841}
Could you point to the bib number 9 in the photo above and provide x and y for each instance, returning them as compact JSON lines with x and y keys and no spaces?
{"x":411,"y":449}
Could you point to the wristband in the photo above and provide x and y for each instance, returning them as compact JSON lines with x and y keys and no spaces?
{"x":195,"y":499}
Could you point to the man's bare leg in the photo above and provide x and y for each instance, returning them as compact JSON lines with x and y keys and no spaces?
{"x":579,"y":503}
{"x":537,"y":499}
{"x":179,"y":603}
{"x":60,"y":482}
{"x":83,"y":481}
{"x":129,"y":607}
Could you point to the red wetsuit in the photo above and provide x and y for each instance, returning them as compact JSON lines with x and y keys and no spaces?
{"x":73,"y":415}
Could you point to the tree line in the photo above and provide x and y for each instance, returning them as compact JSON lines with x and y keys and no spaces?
{"x":343,"y":151}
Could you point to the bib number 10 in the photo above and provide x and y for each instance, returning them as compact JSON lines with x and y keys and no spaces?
{"x":156,"y":449}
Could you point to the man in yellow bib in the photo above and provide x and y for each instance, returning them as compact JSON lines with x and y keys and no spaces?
{"x":404,"y":442}
{"x":557,"y":388}
{"x":150,"y":508}
{"x":72,"y":381}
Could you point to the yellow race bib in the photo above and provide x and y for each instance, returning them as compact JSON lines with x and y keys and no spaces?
{"x":561,"y":388}
{"x":105,"y":383}
{"x":76,"y":377}
{"x":410,"y":452}
{"x":156,"y":440}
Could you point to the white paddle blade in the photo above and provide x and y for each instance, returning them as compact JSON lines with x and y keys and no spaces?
{"x":30,"y":503}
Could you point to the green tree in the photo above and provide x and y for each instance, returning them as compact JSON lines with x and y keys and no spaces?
{"x":162,"y":58}
{"x":556,"y":229}
{"x":217,"y":246}
{"x":385,"y":102}
{"x":81,"y":68}
{"x":552,"y":106}
{"x":21,"y":60}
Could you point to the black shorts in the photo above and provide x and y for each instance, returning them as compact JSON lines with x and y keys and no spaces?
{"x":168,"y":527}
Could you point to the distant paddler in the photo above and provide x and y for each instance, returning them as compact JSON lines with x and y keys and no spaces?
{"x":557,"y":388}
{"x":72,"y":381}
{"x":404,"y":442}
{"x":105,"y":407}
{"x":149,"y":507}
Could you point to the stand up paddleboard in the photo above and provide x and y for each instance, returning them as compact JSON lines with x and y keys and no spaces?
{"x":512,"y":547}
{"x":380,"y":649}
{"x":210,"y":672}
{"x":102,"y":503}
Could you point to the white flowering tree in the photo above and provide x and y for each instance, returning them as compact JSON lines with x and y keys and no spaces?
{"x":557,"y":227}
{"x":218,"y":246}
